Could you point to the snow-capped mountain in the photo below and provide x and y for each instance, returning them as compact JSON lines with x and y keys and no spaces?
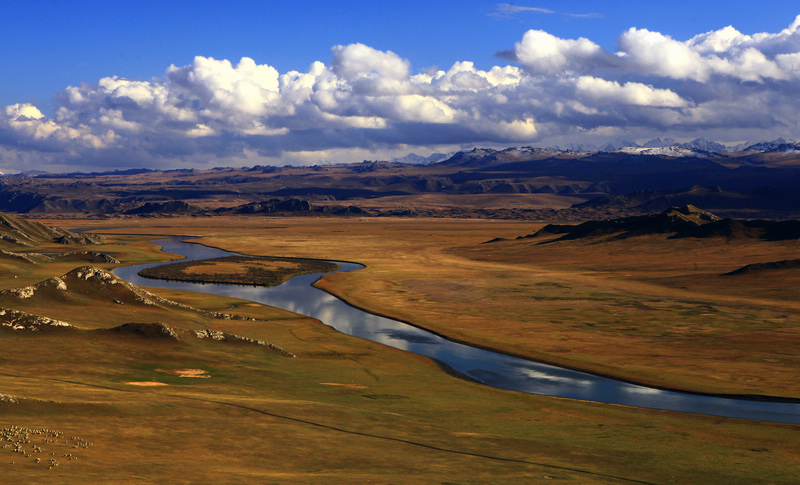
{"x":702,"y":144}
{"x":574,"y":147}
{"x":668,"y":151}
{"x":779,"y":145}
{"x":658,"y":142}
{"x":413,"y":158}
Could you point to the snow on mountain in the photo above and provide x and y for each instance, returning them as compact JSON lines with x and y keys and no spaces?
{"x":698,"y":144}
{"x":413,"y":158}
{"x":775,"y":146}
{"x":613,"y":146}
{"x":701,"y":144}
{"x":574,"y":147}
{"x":658,"y":143}
{"x":664,"y":147}
{"x":668,"y":151}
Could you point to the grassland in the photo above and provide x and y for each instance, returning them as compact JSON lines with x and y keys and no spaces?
{"x":351,"y":410}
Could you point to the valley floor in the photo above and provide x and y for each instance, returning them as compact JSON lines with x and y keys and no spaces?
{"x":349,"y":409}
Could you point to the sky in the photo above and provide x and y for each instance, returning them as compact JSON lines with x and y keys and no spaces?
{"x":89,"y":85}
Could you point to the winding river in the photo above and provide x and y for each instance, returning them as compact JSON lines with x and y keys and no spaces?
{"x":491,"y":368}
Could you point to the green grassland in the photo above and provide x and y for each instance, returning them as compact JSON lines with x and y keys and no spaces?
{"x":343,"y":409}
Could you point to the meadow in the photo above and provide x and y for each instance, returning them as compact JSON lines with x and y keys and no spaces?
{"x":657,"y":311}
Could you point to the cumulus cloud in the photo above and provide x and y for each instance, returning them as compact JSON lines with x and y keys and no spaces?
{"x":602,"y":92}
{"x":371,"y":103}
{"x":545,"y":54}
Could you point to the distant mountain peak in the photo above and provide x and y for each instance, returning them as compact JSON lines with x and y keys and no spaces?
{"x":705,"y":145}
{"x":774,"y":146}
{"x":658,"y":142}
{"x":414,"y":159}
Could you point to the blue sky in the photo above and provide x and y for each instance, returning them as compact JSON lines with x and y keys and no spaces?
{"x":365,"y":102}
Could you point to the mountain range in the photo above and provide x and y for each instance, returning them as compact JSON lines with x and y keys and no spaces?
{"x":763,"y":180}
{"x":697,"y":145}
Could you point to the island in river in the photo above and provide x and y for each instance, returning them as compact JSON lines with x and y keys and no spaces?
{"x":240,"y":270}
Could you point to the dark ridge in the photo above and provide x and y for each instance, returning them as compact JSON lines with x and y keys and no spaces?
{"x":274,"y":205}
{"x":734,"y":228}
{"x":145,"y":330}
{"x":759,"y":267}
{"x":130,"y":171}
{"x":14,"y":200}
{"x":171,"y":207}
{"x":679,"y":222}
{"x":761,"y":202}
{"x":672,"y":220}
{"x":338,"y":210}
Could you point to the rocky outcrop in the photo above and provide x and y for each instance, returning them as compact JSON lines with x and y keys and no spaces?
{"x":162,"y":331}
{"x":146,"y":330}
{"x":21,"y":321}
{"x":87,"y":256}
{"x":101,"y":285}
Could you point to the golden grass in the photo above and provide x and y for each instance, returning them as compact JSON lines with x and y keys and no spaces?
{"x":264,"y":417}
{"x":233,"y":268}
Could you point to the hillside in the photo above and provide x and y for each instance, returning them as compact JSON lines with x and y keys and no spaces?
{"x":61,"y":303}
{"x":67,"y":298}
{"x":678,"y":222}
{"x":19,"y":232}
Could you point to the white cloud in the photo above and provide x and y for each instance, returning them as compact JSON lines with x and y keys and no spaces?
{"x":656,"y":54}
{"x":247,"y":89}
{"x":602,"y":92}
{"x":358,"y":60}
{"x":368,"y":101}
{"x":545,"y":54}
{"x":463,"y":76}
{"x":725,"y":52}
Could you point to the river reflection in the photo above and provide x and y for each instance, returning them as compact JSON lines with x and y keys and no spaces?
{"x":494,"y":369}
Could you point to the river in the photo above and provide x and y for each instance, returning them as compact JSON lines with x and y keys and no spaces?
{"x":490,"y":368}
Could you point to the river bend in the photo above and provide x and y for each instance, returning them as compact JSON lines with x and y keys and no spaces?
{"x":491,"y":368}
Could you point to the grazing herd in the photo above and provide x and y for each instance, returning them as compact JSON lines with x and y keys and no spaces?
{"x":28,"y":442}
